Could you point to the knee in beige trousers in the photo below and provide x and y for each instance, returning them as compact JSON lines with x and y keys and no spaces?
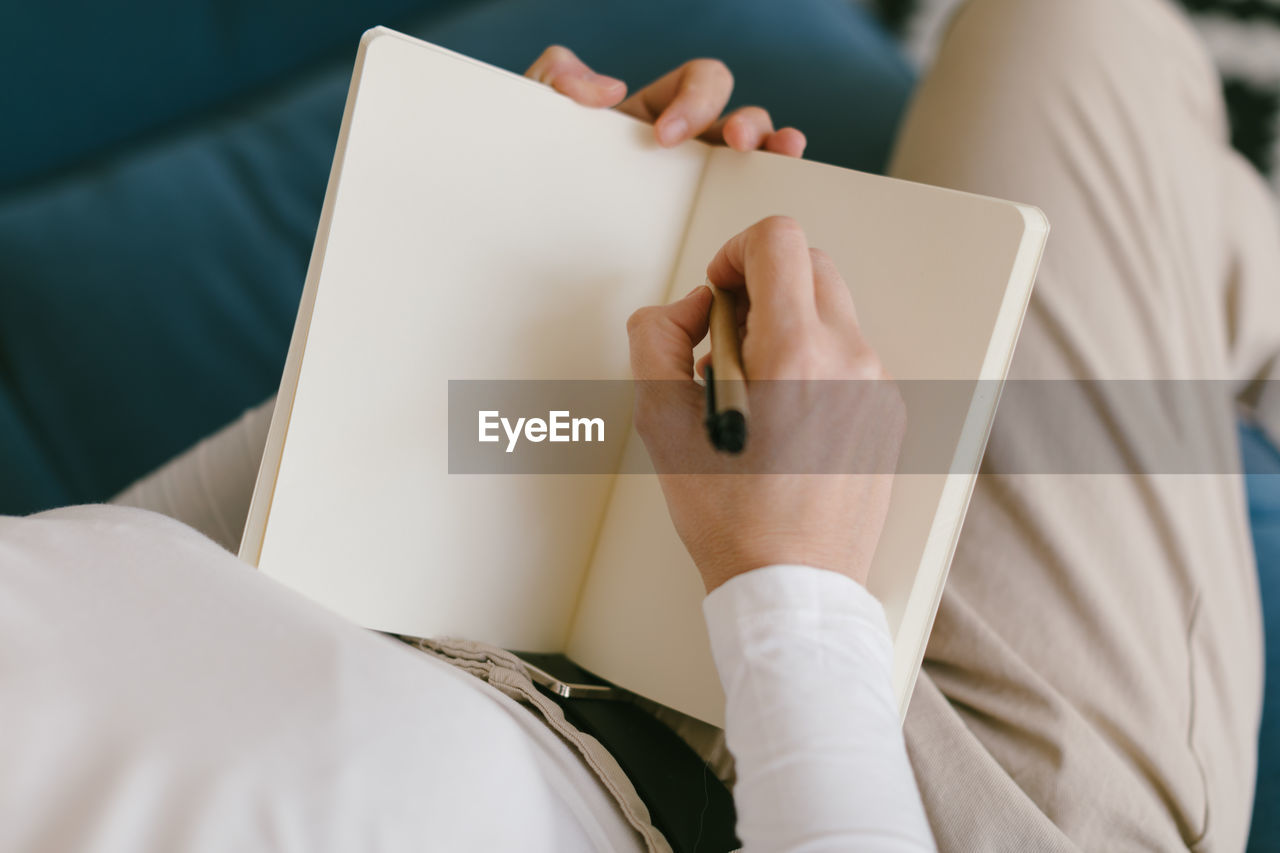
{"x":1094,"y":676}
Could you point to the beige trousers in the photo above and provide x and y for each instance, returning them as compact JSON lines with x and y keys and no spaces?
{"x":1094,"y":676}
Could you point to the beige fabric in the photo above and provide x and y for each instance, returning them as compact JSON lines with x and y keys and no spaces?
{"x":1094,"y":676}
{"x":507,"y":673}
{"x":209,"y":486}
{"x":1093,"y":680}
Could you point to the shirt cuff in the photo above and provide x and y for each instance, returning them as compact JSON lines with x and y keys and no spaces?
{"x":815,"y":602}
{"x":806,"y":661}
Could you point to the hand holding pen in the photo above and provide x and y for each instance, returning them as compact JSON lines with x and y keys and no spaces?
{"x":812,"y":483}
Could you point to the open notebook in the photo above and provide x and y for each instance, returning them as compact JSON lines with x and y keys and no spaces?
{"x":480,"y":226}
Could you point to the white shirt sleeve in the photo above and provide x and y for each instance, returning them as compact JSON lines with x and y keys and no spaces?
{"x":805,"y":658}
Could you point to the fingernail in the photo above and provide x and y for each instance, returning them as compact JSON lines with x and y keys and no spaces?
{"x":672,"y":130}
{"x":603,"y":80}
{"x":695,"y":290}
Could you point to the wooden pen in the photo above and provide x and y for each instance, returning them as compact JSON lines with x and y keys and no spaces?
{"x":726,"y":379}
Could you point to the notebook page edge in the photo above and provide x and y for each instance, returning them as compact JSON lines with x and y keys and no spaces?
{"x":925,"y":597}
{"x":255,"y":530}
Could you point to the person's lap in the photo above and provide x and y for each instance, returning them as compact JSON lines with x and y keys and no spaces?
{"x":1094,"y":675}
{"x":209,"y":487}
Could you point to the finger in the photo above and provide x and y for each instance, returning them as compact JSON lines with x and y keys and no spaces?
{"x":788,"y":142}
{"x":744,"y":129}
{"x":771,"y":260}
{"x":831,"y":294}
{"x":561,"y":69}
{"x":662,"y":337}
{"x":685,"y":102}
{"x":700,"y":369}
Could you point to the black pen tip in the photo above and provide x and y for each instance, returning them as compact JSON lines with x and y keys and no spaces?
{"x":729,"y":434}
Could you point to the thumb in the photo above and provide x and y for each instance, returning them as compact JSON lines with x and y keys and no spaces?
{"x":663,"y":336}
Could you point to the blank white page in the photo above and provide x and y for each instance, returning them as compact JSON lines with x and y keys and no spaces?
{"x":940,"y":280}
{"x":480,"y":226}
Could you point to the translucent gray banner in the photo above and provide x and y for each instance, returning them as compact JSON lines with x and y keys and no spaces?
{"x":1121,"y":427}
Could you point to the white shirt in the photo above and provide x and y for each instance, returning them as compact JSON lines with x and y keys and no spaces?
{"x":158,"y":695}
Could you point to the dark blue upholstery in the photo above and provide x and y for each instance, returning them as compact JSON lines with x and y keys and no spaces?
{"x":85,"y":81}
{"x":1262,"y":467}
{"x":147,"y":293}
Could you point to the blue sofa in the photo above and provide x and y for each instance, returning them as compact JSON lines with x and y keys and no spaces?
{"x":158,"y":207}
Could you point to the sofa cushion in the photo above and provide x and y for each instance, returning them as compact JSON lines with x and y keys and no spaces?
{"x":1262,"y":470}
{"x":147,"y":300}
{"x":86,"y":83}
